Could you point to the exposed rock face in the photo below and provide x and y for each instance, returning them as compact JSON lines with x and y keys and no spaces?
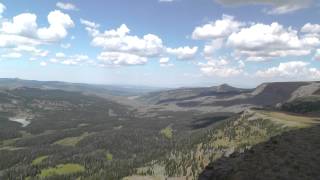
{"x":303,"y":91}
{"x":295,"y":155}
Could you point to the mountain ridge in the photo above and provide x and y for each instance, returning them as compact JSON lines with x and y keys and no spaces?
{"x":158,"y":140}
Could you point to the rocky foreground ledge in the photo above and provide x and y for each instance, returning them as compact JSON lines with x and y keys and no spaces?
{"x":294,"y":155}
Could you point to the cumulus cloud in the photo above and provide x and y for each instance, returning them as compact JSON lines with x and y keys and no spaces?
{"x":23,"y":29}
{"x":23,"y":24}
{"x":60,"y":55}
{"x":9,"y":41}
{"x":121,"y":58}
{"x":293,"y":70}
{"x":311,"y":29}
{"x":90,"y":24}
{"x":59,"y":23}
{"x":11,"y":55}
{"x":219,"y":68}
{"x":257,"y":41}
{"x":35,"y":52}
{"x":217,"y":29}
{"x":119,"y":47}
{"x":213,"y":46}
{"x":78,"y":59}
{"x":278,"y":6}
{"x":66,"y":6}
{"x":119,"y":39}
{"x":165,"y":62}
{"x":22,"y":34}
{"x":183,"y":53}
{"x":216,"y":32}
{"x":260,"y":42}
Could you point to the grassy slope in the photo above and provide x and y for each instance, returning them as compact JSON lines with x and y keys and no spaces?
{"x":235,"y":135}
{"x":63,"y":169}
{"x":39,"y":160}
{"x":72,"y":141}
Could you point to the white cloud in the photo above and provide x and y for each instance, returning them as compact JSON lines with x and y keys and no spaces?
{"x":218,"y":29}
{"x":311,"y":28}
{"x":43,"y":63}
{"x":12,"y":55}
{"x":78,"y":59}
{"x":35,"y":52}
{"x":2,"y":9}
{"x":219,"y":68}
{"x":19,"y":51}
{"x":183,"y":53}
{"x":74,"y":60}
{"x":89,"y":23}
{"x":119,"y":43}
{"x":293,"y":70}
{"x":278,"y":6}
{"x":59,"y":23}
{"x":121,"y":58}
{"x":21,"y":34}
{"x":213,"y":46}
{"x":165,"y":62}
{"x":9,"y":41}
{"x":121,"y":48}
{"x":60,"y":55}
{"x":260,"y":42}
{"x":66,"y":6}
{"x":23,"y":29}
{"x":119,"y":40}
{"x":23,"y":24}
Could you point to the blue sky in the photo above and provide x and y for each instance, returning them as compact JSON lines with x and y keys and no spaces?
{"x":167,"y":43}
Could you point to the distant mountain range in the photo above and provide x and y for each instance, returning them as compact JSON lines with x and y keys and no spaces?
{"x":103,"y":90}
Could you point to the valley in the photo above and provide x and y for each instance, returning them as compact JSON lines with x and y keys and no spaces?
{"x":88,"y":132}
{"x":159,"y":90}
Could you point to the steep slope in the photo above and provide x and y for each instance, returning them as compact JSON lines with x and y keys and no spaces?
{"x":305,"y":100}
{"x":252,"y":127}
{"x":293,"y":155}
{"x":305,"y":105}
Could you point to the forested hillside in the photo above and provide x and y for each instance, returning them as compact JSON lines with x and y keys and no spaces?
{"x":57,"y":134}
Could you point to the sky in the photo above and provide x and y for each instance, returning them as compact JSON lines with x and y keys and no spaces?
{"x":162,"y":43}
